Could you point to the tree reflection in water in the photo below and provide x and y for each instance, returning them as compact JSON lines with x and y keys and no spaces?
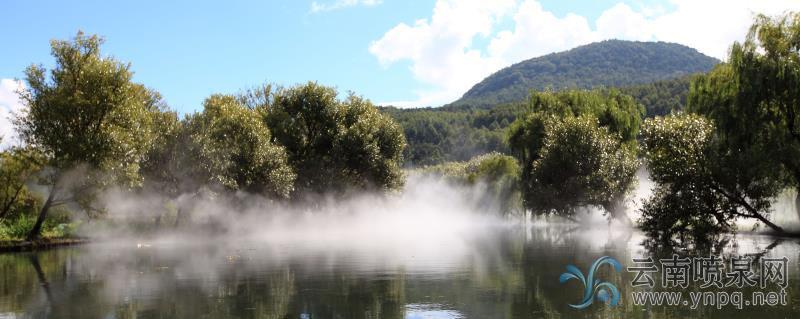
{"x":510,"y":273}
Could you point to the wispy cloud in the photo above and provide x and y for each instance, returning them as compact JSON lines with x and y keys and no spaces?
{"x":317,"y":7}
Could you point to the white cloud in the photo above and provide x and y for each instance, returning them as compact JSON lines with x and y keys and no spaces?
{"x":10,"y":105}
{"x":317,"y":7}
{"x":441,"y":47}
{"x":537,"y":32}
{"x":712,"y":26}
{"x":445,"y":59}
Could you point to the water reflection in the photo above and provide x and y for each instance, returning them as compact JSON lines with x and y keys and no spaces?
{"x":422,"y":311}
{"x":508,"y":273}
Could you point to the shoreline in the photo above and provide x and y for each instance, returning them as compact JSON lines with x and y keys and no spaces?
{"x":11,"y":246}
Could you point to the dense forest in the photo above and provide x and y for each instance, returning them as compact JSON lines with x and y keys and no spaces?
{"x":459,"y":132}
{"x":612,"y":63}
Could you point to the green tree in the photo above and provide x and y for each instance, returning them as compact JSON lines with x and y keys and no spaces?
{"x":562,"y":125}
{"x":88,"y":113}
{"x":703,"y":186}
{"x":336,"y":145}
{"x":616,"y":111}
{"x":229,"y":145}
{"x":162,"y":166}
{"x":580,"y":164}
{"x":754,"y":98}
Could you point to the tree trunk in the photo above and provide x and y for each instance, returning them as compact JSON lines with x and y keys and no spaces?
{"x":768,"y":223}
{"x":753,"y":213}
{"x":37,"y":228}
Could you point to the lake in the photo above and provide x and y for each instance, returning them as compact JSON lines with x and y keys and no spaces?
{"x":510,"y":271}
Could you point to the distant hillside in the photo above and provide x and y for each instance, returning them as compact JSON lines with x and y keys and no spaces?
{"x":612,"y":63}
{"x":459,"y":132}
{"x":661,"y":97}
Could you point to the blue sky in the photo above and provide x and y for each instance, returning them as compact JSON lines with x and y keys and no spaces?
{"x":190,"y":49}
{"x":407,"y":53}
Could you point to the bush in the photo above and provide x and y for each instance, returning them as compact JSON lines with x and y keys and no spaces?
{"x":17,"y":228}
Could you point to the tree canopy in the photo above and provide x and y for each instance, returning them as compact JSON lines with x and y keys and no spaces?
{"x":754,"y":98}
{"x":619,"y":113}
{"x":231,"y":147}
{"x":577,"y":149}
{"x":336,"y":145}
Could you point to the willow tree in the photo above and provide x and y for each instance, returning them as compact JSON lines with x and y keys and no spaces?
{"x":754,"y":98}
{"x":85,"y":112}
{"x":335,"y":145}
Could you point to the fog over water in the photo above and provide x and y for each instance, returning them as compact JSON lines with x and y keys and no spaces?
{"x":429,"y":212}
{"x":429,"y":219}
{"x":434,"y":250}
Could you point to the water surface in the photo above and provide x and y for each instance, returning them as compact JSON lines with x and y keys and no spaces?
{"x":510,"y":272}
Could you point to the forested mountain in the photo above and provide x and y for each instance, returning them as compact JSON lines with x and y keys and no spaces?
{"x":612,"y":63}
{"x":656,"y":74}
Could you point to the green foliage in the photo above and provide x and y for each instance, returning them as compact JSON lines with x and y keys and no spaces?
{"x":618,"y":112}
{"x":755,"y":97}
{"x":229,"y":145}
{"x":676,"y":150}
{"x":88,"y":111}
{"x":577,"y":149}
{"x":661,"y":97}
{"x":17,"y":167}
{"x":166,"y":165}
{"x":615,"y":111}
{"x":17,"y":228}
{"x":490,"y":168}
{"x":497,"y":172}
{"x":477,"y":123}
{"x":612,"y":63}
{"x":703,"y":186}
{"x":437,"y":135}
{"x":580,"y":164}
{"x":526,"y":137}
{"x":711,"y":175}
{"x":336,"y":145}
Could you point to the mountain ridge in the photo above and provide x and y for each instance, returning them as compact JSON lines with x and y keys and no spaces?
{"x":609,"y":63}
